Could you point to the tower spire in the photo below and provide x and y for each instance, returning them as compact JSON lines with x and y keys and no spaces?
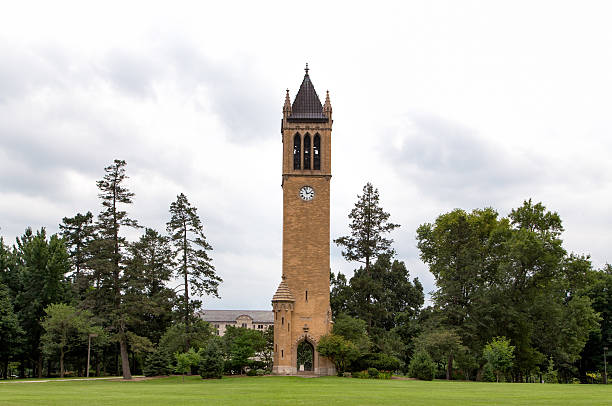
{"x":306,"y":68}
{"x":287,"y":105}
{"x":327,"y":108}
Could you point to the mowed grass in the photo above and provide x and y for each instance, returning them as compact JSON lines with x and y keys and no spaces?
{"x":297,"y":391}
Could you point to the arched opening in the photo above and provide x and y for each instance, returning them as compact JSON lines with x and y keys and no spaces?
{"x":305,"y":357}
{"x":317,"y":153}
{"x":296,"y":151}
{"x":307,"y":151}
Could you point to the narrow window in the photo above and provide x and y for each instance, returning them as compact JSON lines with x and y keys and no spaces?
{"x":282,"y":353}
{"x":282,"y":321}
{"x":307,"y":151}
{"x":317,"y":153}
{"x":296,"y":151}
{"x":306,"y":296}
{"x":276,"y":347}
{"x":288,"y":326}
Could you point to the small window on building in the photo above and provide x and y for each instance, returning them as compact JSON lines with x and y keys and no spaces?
{"x":244,"y":325}
{"x":282,"y":321}
{"x":282,"y":354}
{"x":306,"y":296}
{"x":288,"y":326}
{"x":260,"y":326}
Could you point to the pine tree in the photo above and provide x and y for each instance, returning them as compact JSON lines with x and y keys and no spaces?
{"x":78,"y":233}
{"x":369,"y":224}
{"x":111,"y":250}
{"x":194,"y":265}
{"x":149,"y":268}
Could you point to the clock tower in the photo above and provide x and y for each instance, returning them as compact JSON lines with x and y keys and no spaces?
{"x":302,"y":313}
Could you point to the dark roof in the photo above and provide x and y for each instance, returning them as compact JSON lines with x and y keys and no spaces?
{"x":307,"y":107}
{"x":261,"y":316}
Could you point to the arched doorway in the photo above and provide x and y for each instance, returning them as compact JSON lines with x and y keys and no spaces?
{"x":305,"y":357}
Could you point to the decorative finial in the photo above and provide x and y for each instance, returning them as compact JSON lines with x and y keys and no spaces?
{"x":306,"y":68}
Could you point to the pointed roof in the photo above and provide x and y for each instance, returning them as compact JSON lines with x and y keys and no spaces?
{"x":283,"y":294}
{"x":307,"y":107}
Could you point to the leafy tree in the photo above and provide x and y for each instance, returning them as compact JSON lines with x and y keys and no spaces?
{"x":194,"y":265}
{"x":242,"y":344}
{"x":42,"y":265}
{"x":268,"y":351}
{"x":111,"y":252}
{"x":175,"y":337}
{"x":499,"y":354}
{"x":10,"y":330}
{"x":339,"y":350}
{"x":354,"y":330}
{"x":369,"y":224}
{"x":211,"y":363}
{"x":65,"y":327}
{"x":78,"y":232}
{"x":443,"y":345}
{"x":183,"y":363}
{"x":421,"y":366}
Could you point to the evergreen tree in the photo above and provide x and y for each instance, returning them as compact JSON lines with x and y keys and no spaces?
{"x":110,"y":251}
{"x":194,"y":265}
{"x":42,"y":265}
{"x":149,"y":267}
{"x":369,"y":224}
{"x":78,"y":232}
{"x":10,"y":330}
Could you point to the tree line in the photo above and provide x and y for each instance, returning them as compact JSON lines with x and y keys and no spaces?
{"x":89,"y":284}
{"x":510,"y":303}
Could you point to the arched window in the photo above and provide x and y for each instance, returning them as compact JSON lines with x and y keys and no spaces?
{"x":317,"y":153}
{"x":307,"y":151}
{"x":296,"y":151}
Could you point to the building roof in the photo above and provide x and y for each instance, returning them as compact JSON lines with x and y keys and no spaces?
{"x":283,"y":294}
{"x":258,"y":316}
{"x":307,"y":107}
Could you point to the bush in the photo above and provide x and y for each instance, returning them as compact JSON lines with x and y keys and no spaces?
{"x":260,"y":372}
{"x":211,"y":362}
{"x":251,"y":372}
{"x":158,"y":363}
{"x":421,"y":366}
{"x":488,"y":375}
{"x":384,"y":375}
{"x":380,"y":361}
{"x":373,"y":373}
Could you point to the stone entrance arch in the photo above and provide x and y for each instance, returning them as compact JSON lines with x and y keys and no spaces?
{"x":305,"y":356}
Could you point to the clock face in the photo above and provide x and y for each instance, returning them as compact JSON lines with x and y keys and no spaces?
{"x":307,"y":193}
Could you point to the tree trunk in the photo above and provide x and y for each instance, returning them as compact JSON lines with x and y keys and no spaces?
{"x":449,"y":367}
{"x":39,"y":365}
{"x":125,"y":362}
{"x":61,"y":363}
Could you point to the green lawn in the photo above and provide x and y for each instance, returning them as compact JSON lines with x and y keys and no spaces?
{"x":297,"y":391}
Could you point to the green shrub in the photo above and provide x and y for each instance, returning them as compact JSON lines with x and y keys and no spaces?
{"x":384,"y":375}
{"x":211,"y":361}
{"x":421,"y":366}
{"x":373,"y":373}
{"x":158,"y":363}
{"x":260,"y":372}
{"x":488,"y":375}
{"x":251,"y":372}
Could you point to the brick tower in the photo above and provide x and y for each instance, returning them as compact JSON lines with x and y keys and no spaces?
{"x":301,"y":304}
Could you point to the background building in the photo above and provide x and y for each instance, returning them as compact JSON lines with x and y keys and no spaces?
{"x":251,"y":319}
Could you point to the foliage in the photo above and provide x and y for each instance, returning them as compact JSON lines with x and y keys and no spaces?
{"x":158,"y":363}
{"x":443,"y":345}
{"x":339,"y":350}
{"x":422,"y":366}
{"x":10,"y":330}
{"x":110,"y":254}
{"x":550,"y":376}
{"x":194,"y":266}
{"x":65,"y":327}
{"x":369,"y":224}
{"x":211,"y":363}
{"x":499,"y":355}
{"x":241,"y":344}
{"x":78,"y":233}
{"x":175,"y":337}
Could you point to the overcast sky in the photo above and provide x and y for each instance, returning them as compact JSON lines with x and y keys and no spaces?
{"x":440,"y":105}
